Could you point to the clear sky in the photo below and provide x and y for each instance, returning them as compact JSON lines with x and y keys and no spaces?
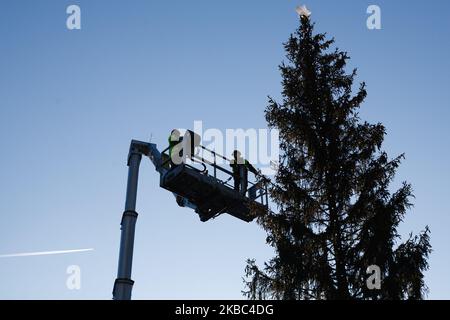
{"x":71,"y":101}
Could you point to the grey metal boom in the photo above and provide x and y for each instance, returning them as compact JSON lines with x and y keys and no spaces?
{"x":123,"y":284}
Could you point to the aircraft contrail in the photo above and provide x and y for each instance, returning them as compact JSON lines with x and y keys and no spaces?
{"x":43,"y":253}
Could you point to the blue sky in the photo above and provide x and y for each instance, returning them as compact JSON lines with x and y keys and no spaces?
{"x":71,"y":101}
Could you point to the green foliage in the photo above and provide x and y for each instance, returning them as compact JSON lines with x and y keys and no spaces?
{"x":335,"y":214}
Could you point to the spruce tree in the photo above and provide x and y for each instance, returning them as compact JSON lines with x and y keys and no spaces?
{"x":335,"y":215}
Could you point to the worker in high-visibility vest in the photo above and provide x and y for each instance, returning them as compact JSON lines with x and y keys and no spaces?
{"x":241,"y":167}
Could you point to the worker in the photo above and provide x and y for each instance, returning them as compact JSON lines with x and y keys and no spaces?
{"x":175,"y":147}
{"x":240,"y":168}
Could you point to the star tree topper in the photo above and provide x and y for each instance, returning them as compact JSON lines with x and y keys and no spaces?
{"x":303,"y":11}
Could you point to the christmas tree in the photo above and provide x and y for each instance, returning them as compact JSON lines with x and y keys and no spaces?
{"x":335,"y":215}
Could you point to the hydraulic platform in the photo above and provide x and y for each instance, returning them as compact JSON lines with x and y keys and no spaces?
{"x":198,"y":182}
{"x":210,"y":195}
{"x":207,"y":190}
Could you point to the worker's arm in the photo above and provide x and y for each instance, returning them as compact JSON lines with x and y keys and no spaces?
{"x":251,"y":168}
